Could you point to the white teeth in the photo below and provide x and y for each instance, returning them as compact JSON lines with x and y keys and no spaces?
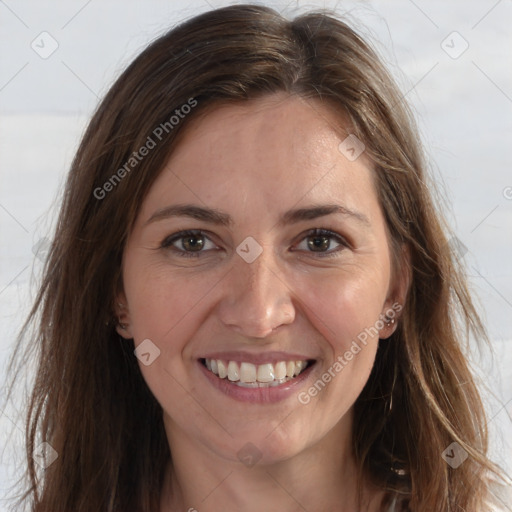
{"x":299,"y":366}
{"x":251,"y":375}
{"x":223,"y":371}
{"x":233,"y":371}
{"x":280,"y":370}
{"x":266,"y":372}
{"x":248,"y":372}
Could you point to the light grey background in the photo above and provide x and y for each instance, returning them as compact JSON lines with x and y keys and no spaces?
{"x":463,"y":101}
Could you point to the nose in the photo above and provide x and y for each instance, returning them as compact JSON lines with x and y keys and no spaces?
{"x":256,"y":298}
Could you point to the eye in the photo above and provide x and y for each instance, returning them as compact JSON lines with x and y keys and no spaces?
{"x":190,"y":243}
{"x":321,"y":241}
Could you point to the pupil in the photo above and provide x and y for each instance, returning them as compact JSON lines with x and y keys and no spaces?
{"x":319,"y":243}
{"x":193,"y":243}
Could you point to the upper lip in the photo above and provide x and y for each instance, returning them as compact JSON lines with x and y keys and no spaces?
{"x":261,"y":358}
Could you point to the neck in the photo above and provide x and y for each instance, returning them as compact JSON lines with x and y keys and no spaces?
{"x":322,"y":477}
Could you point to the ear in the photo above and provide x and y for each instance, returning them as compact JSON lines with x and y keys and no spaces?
{"x":397,"y":294}
{"x":123,"y":320}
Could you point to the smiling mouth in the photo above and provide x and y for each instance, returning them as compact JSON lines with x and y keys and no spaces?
{"x":250,"y":375}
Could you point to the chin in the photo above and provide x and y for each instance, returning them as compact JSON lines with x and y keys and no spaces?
{"x":265,"y":443}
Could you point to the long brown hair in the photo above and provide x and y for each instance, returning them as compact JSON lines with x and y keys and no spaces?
{"x":90,"y":402}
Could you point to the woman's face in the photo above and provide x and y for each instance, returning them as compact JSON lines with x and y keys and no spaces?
{"x":285,"y":268}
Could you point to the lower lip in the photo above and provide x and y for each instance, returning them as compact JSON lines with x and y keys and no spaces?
{"x":270,"y":394}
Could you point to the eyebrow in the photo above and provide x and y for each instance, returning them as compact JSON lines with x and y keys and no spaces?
{"x":217,"y":217}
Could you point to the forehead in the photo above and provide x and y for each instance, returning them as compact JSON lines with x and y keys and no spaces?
{"x":270,"y":151}
{"x":274,"y":126}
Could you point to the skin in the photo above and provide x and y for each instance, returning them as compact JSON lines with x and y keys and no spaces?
{"x":254,"y":161}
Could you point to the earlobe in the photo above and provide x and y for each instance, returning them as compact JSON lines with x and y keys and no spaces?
{"x":397,"y":293}
{"x":390,"y":321}
{"x":123,"y":322}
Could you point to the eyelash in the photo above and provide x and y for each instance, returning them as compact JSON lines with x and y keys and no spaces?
{"x":317,"y":232}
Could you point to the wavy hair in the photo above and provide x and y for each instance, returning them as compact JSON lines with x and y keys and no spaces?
{"x":89,"y":400}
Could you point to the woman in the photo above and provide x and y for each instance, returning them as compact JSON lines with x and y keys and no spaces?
{"x":250,"y":302}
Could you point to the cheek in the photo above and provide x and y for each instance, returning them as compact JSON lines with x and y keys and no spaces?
{"x":344,"y":307}
{"x":166,"y":308}
{"x":342,"y":304}
{"x":162,"y":300}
